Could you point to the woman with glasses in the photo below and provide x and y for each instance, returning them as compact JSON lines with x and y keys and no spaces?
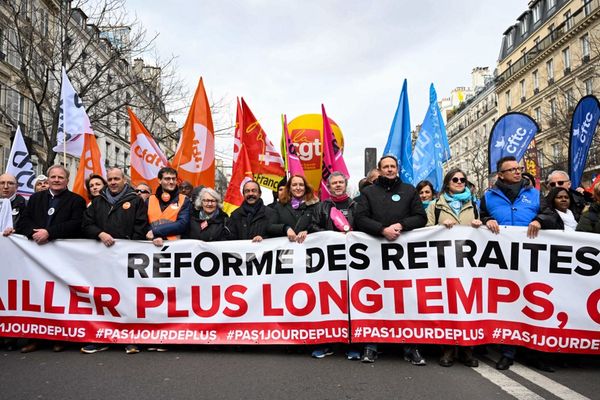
{"x":454,"y":206}
{"x":208,"y":220}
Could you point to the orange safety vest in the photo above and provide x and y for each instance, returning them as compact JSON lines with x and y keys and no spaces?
{"x":156,"y":216}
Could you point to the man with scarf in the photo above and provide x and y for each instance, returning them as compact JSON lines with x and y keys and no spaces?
{"x":252,"y":219}
{"x":387,"y":208}
{"x":512,"y":201}
{"x":327,"y":216}
{"x":168,"y":211}
{"x":117,"y":213}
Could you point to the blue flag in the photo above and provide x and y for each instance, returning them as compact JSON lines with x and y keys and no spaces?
{"x":583,"y":127}
{"x":431,"y":148}
{"x":510,"y":136}
{"x":399,"y":141}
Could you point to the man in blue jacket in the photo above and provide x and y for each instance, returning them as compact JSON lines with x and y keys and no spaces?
{"x":512,"y":201}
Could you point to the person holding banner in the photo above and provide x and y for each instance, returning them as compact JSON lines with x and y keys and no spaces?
{"x":296,"y":210}
{"x":580,"y":197}
{"x":251,"y":220}
{"x":116,"y":213}
{"x":589,"y":220}
{"x":208,"y":219}
{"x":328,"y":213}
{"x":168,"y":210}
{"x":562,"y":212}
{"x":454,"y":206}
{"x":513,"y":201}
{"x":52,"y":214}
{"x":8,"y":190}
{"x":387,"y":208}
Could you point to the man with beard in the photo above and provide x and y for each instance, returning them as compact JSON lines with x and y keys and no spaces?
{"x":252,"y":219}
{"x":168,"y":210}
{"x":8,"y":190}
{"x":117,"y":213}
{"x":387,"y":208}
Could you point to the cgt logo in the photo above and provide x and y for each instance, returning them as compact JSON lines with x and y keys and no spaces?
{"x":308,"y":147}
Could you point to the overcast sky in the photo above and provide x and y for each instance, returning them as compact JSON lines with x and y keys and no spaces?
{"x":291,"y":56}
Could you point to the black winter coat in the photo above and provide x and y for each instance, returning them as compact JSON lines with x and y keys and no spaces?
{"x":126,"y":219}
{"x":300,"y":219}
{"x":589,"y":221}
{"x":64,"y":223}
{"x":241,"y":228}
{"x":324,"y":222}
{"x":215,"y":231}
{"x":18,"y":205}
{"x":388,"y":202}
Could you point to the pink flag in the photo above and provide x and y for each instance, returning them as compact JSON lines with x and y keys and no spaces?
{"x":294,"y":165}
{"x":333,"y":160}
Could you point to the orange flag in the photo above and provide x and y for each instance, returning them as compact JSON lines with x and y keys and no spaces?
{"x":240,"y":174}
{"x":266,"y":162}
{"x":91,"y":162}
{"x":195,"y":156}
{"x":146,"y":157}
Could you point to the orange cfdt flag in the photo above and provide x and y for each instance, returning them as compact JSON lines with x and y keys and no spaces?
{"x":91,"y":162}
{"x":194,"y":159}
{"x":146,"y":157}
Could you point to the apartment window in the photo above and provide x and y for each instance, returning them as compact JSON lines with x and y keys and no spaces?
{"x":585,"y":45}
{"x":553,"y":108}
{"x":537,"y":12}
{"x":568,"y":20}
{"x":536,"y":80}
{"x":550,"y":4}
{"x":587,"y":7}
{"x":550,"y":70}
{"x":523,"y":26}
{"x":522,"y":88}
{"x":508,"y":102}
{"x":538,"y":114}
{"x":588,"y":86}
{"x":566,"y":54}
{"x":570,"y":98}
{"x":509,"y":39}
{"x":556,"y":152}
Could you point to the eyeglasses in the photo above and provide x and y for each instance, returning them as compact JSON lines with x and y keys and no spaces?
{"x":208,"y":201}
{"x":514,"y":170}
{"x":138,"y":191}
{"x":461,"y":180}
{"x":557,"y":183}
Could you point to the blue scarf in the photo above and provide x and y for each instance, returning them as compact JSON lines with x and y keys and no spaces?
{"x":458,"y":200}
{"x":426,"y":203}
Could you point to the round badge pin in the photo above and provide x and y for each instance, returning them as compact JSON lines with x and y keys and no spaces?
{"x":174,"y":206}
{"x":15,"y":211}
{"x":51,"y":211}
{"x":126,"y":205}
{"x":165,"y":197}
{"x":396,"y":197}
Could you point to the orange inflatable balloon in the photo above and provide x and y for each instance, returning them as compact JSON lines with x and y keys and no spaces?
{"x":306,"y":132}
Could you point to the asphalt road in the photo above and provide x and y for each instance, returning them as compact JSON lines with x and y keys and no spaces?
{"x":271,"y":373}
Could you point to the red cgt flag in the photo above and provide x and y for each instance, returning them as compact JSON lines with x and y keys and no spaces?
{"x":195,"y":156}
{"x":91,"y":162}
{"x":266,"y":162}
{"x":146,"y":157}
{"x":240,"y":174}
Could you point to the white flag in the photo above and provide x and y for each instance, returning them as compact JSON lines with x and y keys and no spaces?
{"x":20,"y":166}
{"x":73,"y":120}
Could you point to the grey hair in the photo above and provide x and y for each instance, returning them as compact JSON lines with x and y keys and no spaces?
{"x":58,"y":166}
{"x":211,"y":192}
{"x":334,"y":174}
{"x":557,"y":172}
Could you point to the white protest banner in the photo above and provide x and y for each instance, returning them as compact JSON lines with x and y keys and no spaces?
{"x":188,"y":291}
{"x":468,"y":286}
{"x":461,"y":286}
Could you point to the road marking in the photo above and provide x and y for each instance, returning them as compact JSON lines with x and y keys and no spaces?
{"x":546,"y":383}
{"x":510,"y":386}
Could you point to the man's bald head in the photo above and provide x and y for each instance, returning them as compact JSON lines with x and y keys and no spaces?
{"x":8,"y":186}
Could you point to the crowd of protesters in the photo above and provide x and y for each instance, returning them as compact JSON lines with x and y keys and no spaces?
{"x":385,"y":207}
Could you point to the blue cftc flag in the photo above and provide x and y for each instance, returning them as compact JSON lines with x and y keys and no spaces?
{"x":583,"y":127}
{"x":510,"y":136}
{"x":399,"y":141}
{"x":431,"y":148}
